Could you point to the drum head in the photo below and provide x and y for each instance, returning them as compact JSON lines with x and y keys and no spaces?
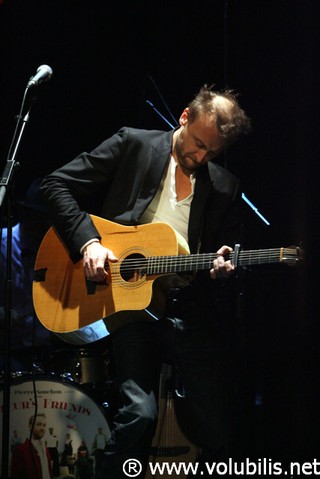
{"x":70,"y":414}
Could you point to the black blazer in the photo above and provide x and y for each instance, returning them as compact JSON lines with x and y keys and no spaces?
{"x":118,"y":180}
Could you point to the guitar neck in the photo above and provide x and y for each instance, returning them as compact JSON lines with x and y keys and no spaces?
{"x":196,"y":262}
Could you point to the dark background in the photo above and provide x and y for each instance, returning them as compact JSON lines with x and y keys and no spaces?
{"x":108,"y":58}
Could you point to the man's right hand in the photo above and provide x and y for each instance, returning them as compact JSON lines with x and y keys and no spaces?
{"x":95,"y":257}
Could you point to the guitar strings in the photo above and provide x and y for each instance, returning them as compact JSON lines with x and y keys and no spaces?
{"x":157,"y":264}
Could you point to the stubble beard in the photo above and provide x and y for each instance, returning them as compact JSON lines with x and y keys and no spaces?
{"x":184,"y":160}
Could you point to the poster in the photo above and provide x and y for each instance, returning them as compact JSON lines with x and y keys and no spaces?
{"x":72,"y":418}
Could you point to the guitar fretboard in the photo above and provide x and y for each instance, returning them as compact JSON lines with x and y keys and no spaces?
{"x":195,"y":262}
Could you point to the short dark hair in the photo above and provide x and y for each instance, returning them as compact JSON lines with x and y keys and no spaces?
{"x":34,"y":417}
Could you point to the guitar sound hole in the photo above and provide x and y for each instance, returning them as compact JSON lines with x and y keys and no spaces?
{"x":133,"y":268}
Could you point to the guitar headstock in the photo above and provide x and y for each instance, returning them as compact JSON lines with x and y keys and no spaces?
{"x":292,"y":256}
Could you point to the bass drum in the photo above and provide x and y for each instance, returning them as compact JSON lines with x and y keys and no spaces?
{"x":72,"y":419}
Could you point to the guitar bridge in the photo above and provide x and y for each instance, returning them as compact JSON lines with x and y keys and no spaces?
{"x":90,"y":286}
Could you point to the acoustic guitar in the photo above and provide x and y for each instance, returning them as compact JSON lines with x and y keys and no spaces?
{"x":65,"y":301}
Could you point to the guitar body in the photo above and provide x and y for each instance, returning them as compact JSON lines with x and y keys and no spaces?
{"x":65,"y":301}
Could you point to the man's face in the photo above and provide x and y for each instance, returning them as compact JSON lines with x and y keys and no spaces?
{"x":196,"y":142}
{"x":39,"y":427}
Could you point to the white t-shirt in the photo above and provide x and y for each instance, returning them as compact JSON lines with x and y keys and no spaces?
{"x":165,"y":208}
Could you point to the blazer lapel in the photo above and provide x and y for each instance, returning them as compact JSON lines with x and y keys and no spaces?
{"x":160,"y":153}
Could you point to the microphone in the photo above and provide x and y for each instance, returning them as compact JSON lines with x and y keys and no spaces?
{"x":44,"y":73}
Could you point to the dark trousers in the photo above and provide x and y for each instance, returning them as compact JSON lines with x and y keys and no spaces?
{"x":55,"y":461}
{"x":197,"y":347}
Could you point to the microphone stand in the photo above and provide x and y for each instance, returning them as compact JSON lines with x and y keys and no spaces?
{"x":6,"y":186}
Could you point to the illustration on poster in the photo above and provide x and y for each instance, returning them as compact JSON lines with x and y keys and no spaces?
{"x":67,"y":408}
